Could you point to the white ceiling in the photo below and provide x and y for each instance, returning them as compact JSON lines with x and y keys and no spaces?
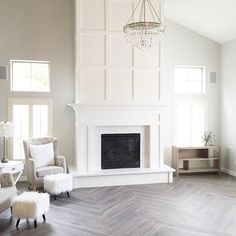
{"x":215,"y":19}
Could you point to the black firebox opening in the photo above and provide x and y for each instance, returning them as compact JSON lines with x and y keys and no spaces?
{"x":120,"y":151}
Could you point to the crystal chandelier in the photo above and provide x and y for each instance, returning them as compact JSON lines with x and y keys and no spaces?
{"x":144,"y":33}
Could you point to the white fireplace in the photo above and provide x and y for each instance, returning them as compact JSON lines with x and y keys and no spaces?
{"x":93,"y":121}
{"x":118,"y":90}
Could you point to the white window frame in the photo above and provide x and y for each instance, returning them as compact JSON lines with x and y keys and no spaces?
{"x":189,"y":99}
{"x":30,"y":102}
{"x":30,"y":61}
{"x":204,"y":88}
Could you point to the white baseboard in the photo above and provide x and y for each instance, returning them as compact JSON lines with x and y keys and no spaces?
{"x":230,"y":172}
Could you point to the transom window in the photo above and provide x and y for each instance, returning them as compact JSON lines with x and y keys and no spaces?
{"x":189,"y":80}
{"x":30,"y":76}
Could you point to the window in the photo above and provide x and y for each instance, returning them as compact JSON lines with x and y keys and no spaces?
{"x":189,"y":80}
{"x":32,"y":118}
{"x":190,"y":106}
{"x":189,"y":122}
{"x":30,"y":76}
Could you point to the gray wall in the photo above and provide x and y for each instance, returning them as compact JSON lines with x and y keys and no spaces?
{"x":185,"y":47}
{"x":42,"y":30}
{"x":228,"y":106}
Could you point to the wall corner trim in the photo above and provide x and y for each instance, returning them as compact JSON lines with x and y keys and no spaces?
{"x":230,"y":172}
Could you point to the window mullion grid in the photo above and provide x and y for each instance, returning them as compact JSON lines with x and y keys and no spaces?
{"x":188,"y":79}
{"x":30,"y":119}
{"x":190,"y":108}
{"x":31,"y":79}
{"x":203,"y":81}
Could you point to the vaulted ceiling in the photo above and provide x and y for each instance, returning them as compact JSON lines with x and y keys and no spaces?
{"x":215,"y":19}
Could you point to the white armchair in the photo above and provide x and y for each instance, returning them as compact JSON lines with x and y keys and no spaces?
{"x":7,"y":190}
{"x":36,"y":173}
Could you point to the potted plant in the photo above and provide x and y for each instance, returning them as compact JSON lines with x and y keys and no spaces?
{"x":208,"y":138}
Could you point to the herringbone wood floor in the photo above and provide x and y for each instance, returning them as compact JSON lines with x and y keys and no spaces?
{"x":192,"y":206}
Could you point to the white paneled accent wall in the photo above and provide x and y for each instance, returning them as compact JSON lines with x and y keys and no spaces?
{"x":118,"y":90}
{"x":108,"y":69}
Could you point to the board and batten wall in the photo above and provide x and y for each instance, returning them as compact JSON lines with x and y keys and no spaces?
{"x":228,"y":107}
{"x":42,"y":30}
{"x":108,"y":69}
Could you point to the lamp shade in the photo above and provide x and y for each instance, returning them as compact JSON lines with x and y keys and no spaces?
{"x":6,"y":129}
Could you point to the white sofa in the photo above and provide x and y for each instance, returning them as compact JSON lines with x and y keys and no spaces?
{"x":7,"y":191}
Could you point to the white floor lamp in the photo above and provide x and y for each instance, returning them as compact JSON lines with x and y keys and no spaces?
{"x":6,"y":131}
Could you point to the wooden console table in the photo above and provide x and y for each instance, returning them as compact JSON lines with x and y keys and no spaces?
{"x":183,"y":159}
{"x":13,"y":167}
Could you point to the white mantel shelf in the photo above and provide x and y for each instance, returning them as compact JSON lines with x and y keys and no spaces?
{"x":117,"y":107}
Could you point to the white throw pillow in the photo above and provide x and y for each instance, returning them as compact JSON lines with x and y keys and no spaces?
{"x":42,"y":154}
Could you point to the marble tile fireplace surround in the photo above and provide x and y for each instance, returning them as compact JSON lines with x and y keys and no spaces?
{"x":94,"y":121}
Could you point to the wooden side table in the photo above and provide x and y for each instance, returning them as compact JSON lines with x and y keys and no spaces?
{"x":206,"y":156}
{"x":13,"y":167}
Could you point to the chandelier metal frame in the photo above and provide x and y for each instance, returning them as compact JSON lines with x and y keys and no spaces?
{"x":144,"y":33}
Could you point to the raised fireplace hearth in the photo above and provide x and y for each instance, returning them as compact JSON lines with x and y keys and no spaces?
{"x":120,"y":151}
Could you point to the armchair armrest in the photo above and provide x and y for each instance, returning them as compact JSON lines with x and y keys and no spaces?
{"x":7,"y":180}
{"x":61,"y":161}
{"x":31,"y":170}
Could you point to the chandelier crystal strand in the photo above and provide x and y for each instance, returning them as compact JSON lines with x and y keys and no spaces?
{"x":144,"y":34}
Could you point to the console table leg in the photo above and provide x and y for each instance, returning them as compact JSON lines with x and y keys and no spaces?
{"x":17,"y":222}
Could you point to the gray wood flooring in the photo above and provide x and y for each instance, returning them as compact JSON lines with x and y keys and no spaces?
{"x":192,"y":206}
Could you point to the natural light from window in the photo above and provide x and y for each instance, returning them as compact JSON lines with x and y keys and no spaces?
{"x":190,"y":105}
{"x":21,"y":122}
{"x":30,"y":76}
{"x":189,"y":80}
{"x":189,"y":124}
{"x":32,"y":118}
{"x":40,"y":120}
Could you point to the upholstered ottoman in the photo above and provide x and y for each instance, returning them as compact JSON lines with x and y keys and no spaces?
{"x":57,"y":184}
{"x":30,"y":205}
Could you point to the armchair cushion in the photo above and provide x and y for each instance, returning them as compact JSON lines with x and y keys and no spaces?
{"x":48,"y":170}
{"x":42,"y":154}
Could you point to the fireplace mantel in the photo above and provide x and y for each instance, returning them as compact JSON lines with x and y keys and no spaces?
{"x":127,"y":107}
{"x":93,"y":120}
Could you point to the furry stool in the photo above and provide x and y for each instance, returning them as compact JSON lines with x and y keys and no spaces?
{"x":59,"y":183}
{"x":30,"y":205}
